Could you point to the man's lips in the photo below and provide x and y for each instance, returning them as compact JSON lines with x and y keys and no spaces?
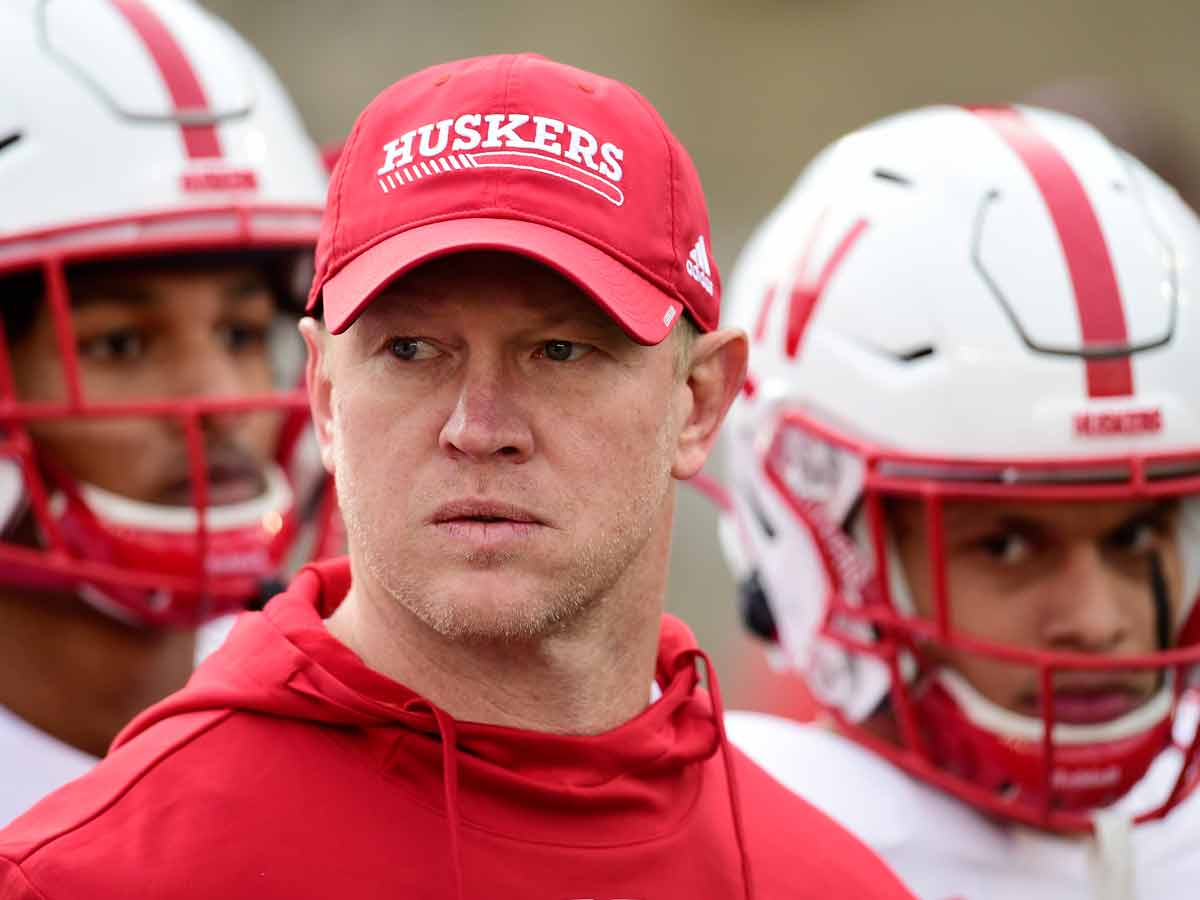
{"x":485,"y":523}
{"x":484,"y":511}
{"x":1090,"y":705}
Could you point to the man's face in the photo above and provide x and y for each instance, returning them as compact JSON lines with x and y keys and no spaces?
{"x":1063,"y":576}
{"x":143,"y":332}
{"x":503,"y":451}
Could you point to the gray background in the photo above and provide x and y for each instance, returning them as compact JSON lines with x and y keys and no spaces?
{"x":754,"y":89}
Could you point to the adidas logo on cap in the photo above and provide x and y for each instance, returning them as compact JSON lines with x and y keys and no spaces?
{"x":698,"y":266}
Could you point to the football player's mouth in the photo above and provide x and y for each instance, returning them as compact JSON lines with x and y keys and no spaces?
{"x":229,"y":478}
{"x":1089,"y":704}
{"x":485,"y":524}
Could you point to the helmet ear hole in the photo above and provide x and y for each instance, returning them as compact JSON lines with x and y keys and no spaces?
{"x":756,"y":611}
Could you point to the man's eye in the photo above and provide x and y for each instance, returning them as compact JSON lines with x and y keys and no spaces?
{"x":564,"y":351}
{"x":410,"y":349}
{"x":1008,"y":547}
{"x":119,"y":345}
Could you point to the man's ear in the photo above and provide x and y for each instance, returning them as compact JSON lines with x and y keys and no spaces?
{"x":716,"y":370}
{"x":319,"y":387}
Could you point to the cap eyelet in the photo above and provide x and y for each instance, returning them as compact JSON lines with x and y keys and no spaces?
{"x":586,"y":88}
{"x":440,"y":80}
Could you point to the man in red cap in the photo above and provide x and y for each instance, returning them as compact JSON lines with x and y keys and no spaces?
{"x":519,"y":355}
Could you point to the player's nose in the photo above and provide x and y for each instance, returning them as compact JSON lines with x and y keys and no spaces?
{"x":203,"y":369}
{"x":1090,"y":607}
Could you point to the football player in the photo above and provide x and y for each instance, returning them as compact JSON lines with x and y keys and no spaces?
{"x":160,"y":204}
{"x":963,"y":478}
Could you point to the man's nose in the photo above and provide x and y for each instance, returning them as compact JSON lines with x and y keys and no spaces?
{"x":1092,"y":606}
{"x":487,"y":421}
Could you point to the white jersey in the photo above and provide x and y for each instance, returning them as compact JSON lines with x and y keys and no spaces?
{"x":33,"y":763}
{"x":944,"y":849}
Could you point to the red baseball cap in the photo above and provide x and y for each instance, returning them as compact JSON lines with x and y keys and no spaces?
{"x":529,"y":156}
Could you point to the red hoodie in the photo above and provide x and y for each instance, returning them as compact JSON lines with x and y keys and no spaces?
{"x":288,"y":769}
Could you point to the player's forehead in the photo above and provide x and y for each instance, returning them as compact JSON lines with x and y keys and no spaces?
{"x":1065,"y":517}
{"x":143,"y":282}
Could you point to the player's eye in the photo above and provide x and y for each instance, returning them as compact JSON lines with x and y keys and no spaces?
{"x":563,"y":351}
{"x":1006,"y":547}
{"x":241,"y":337}
{"x":1136,"y":537}
{"x":116,"y":345}
{"x":409,"y":349}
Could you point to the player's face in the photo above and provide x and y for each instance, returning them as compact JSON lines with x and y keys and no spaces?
{"x":503,"y":452}
{"x":1072,"y":576}
{"x":163,"y":333}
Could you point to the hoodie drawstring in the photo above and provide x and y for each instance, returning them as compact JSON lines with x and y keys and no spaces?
{"x":449,"y":736}
{"x":735,"y":806}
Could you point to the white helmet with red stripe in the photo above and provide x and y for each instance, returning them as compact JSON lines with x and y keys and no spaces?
{"x":953,"y":305}
{"x":147,"y":131}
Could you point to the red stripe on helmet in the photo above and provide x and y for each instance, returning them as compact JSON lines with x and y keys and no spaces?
{"x":200,"y":141}
{"x":1097,"y":296}
{"x":806,"y":293}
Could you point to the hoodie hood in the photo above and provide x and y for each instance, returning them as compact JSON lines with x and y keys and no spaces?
{"x":632,"y":783}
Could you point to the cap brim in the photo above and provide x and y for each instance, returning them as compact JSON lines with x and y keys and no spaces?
{"x":642,"y":310}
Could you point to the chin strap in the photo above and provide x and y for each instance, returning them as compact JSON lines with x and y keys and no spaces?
{"x":1162,"y":606}
{"x":1110,"y":856}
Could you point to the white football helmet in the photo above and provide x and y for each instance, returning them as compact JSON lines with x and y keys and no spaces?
{"x":964,"y":303}
{"x":140,"y":129}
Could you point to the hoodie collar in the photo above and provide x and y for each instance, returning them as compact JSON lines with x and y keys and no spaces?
{"x":640,"y":775}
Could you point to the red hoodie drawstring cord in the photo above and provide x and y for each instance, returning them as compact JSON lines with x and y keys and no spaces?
{"x":449,"y":736}
{"x":735,"y":805}
{"x":445,"y":725}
